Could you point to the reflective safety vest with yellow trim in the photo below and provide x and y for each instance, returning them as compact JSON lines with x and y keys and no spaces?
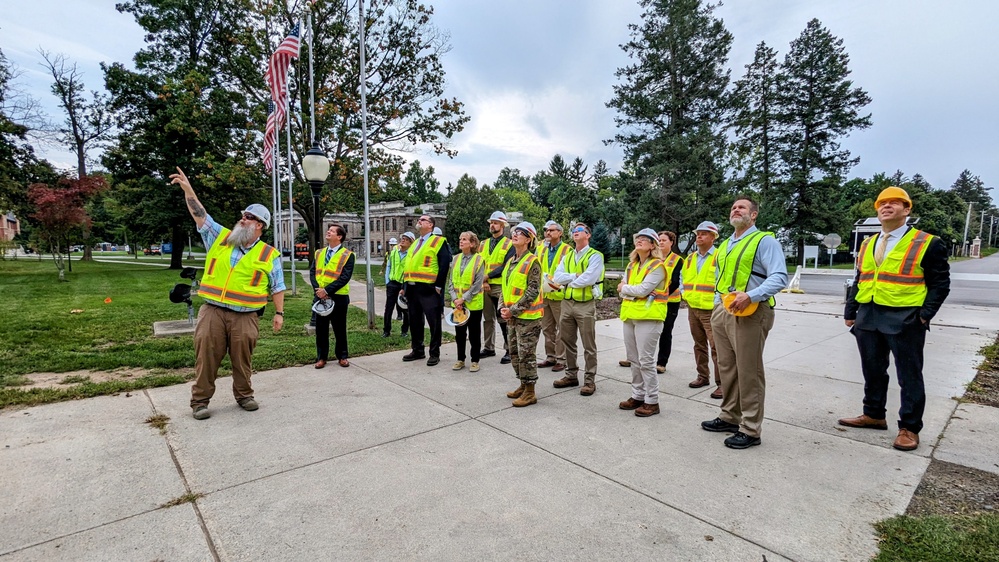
{"x":244,"y":284}
{"x":560,"y":253}
{"x":495,"y":258}
{"x":515,"y":283}
{"x":699,"y":286}
{"x":396,"y":264}
{"x":735,"y":264}
{"x":328,"y":271}
{"x":652,"y":307}
{"x":899,"y":280}
{"x":670,"y":264}
{"x":462,"y":279}
{"x":421,"y":264}
{"x":572,"y":266}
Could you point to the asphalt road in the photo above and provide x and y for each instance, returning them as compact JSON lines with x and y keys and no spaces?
{"x":973,"y":282}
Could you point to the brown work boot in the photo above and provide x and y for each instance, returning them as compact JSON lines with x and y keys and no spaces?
{"x":527,"y":398}
{"x":864,"y":421}
{"x":646,"y":410}
{"x":906,"y":440}
{"x":624,"y":363}
{"x":516,"y":393}
{"x":630,"y":404}
{"x":566,"y":381}
{"x":698,"y":383}
{"x":588,"y":389}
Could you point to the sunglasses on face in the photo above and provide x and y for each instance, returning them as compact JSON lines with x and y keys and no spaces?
{"x":248,"y":216}
{"x":578,"y":229}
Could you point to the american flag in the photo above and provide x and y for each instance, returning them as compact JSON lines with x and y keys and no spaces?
{"x":277,"y":74}
{"x":270,"y":135}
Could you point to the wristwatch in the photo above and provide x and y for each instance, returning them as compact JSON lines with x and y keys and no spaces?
{"x":279,"y":313}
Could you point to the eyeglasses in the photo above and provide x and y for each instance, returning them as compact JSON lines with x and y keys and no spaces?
{"x":248,"y":216}
{"x":578,"y":229}
{"x":421,"y":219}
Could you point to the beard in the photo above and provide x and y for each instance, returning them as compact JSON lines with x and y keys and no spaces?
{"x":241,"y":236}
{"x":741,"y":222}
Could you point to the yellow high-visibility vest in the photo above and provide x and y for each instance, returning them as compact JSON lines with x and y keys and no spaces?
{"x":560,"y":254}
{"x":328,"y":271}
{"x":898,"y":281}
{"x":652,"y":307}
{"x":699,"y":286}
{"x":244,"y":284}
{"x":514,"y":285}
{"x":462,"y":280}
{"x":421,"y":263}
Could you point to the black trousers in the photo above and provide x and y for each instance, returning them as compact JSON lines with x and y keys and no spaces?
{"x":391,"y":303}
{"x":337,"y":319}
{"x":666,"y":337}
{"x":907,"y":349}
{"x":425,"y":304}
{"x":472,"y":330}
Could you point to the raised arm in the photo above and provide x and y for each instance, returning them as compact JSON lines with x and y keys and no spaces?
{"x":194,"y":206}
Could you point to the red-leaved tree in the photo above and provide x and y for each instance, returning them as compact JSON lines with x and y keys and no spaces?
{"x":59,"y":210}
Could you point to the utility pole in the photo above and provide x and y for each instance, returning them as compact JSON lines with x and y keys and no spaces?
{"x":992,"y":221}
{"x":967,"y":221}
{"x":981,"y":224}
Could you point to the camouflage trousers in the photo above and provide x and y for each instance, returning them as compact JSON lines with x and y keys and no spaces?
{"x":524,"y":336}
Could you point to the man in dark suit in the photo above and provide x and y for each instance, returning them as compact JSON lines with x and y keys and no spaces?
{"x":424,"y":274}
{"x":902,"y":279}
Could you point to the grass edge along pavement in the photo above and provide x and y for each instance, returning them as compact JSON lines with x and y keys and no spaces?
{"x":101,"y":320}
{"x":930,"y":530}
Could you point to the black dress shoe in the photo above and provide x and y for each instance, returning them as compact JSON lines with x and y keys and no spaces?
{"x":741,"y":441}
{"x":414,"y":355}
{"x":433,"y":361}
{"x":505,"y":360}
{"x":405,"y":333}
{"x":719,"y":425}
{"x":386,"y":335}
{"x":487,"y":353}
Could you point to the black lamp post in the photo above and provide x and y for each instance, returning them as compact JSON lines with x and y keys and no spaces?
{"x":316,"y":166}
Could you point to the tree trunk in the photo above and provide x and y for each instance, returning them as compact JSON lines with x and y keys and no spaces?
{"x":60,"y":266}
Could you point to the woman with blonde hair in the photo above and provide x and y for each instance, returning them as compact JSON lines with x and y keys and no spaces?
{"x":644,"y":292}
{"x":464,"y":287}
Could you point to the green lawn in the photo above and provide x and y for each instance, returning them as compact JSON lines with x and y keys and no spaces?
{"x":42,"y":333}
{"x":939,"y":539}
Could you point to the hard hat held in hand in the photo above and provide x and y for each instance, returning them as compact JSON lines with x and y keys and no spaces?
{"x":729,"y":298}
{"x":323,"y":307}
{"x":403,"y":303}
{"x":549,"y":285}
{"x":458,"y":317}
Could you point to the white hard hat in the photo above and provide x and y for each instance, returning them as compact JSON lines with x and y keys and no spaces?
{"x":437,"y":231}
{"x":457,"y":317}
{"x":498,"y":216}
{"x":393,"y":241}
{"x":527,"y":228}
{"x":260,"y":212}
{"x":707,"y":226}
{"x":648,"y":233}
{"x":323,"y":307}
{"x":403,"y":302}
{"x":409,"y":235}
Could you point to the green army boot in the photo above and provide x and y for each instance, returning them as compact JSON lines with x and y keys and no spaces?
{"x":527,"y":398}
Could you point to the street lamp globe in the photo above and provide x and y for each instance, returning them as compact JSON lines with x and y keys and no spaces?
{"x":316,"y":166}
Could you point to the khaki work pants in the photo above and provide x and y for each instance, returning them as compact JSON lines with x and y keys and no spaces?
{"x":221,"y":331}
{"x":579,"y":320}
{"x":700,"y":330}
{"x":554,"y":349}
{"x":740,"y":342}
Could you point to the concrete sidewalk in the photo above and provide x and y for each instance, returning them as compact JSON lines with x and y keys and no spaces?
{"x":393,"y":460}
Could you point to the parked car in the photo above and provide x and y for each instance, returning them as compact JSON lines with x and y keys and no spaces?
{"x":153,"y":250}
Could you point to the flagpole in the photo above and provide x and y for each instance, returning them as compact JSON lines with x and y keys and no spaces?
{"x":291,"y":207}
{"x":364,"y":144}
{"x":312,"y":84}
{"x":276,"y":189}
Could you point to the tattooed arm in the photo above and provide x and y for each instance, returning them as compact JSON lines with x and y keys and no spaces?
{"x":194,"y":206}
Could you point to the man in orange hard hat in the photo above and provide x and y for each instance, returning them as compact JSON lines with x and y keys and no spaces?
{"x":902,"y":279}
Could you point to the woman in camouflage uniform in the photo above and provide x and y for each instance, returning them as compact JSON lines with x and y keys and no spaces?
{"x":522,"y":309}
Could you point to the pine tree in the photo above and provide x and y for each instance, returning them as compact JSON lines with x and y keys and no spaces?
{"x":671,"y":103}
{"x":819,"y":105}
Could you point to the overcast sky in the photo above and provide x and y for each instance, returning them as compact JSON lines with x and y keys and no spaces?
{"x":535,"y":75}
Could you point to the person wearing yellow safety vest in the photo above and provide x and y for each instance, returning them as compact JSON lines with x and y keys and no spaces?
{"x":464,"y":289}
{"x":673,"y":263}
{"x":551,"y":254}
{"x":240,"y":270}
{"x":698,"y":286}
{"x":644,"y":291}
{"x":330,"y":275}
{"x":522,"y":309}
{"x":497,"y":251}
{"x":424,"y":275}
{"x":902,"y":279}
{"x":751,"y":270}
{"x":393,"y":284}
{"x":581,"y":274}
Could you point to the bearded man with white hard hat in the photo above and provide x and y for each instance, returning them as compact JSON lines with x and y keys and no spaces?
{"x":240,"y":271}
{"x":902,"y":280}
{"x":497,"y":251}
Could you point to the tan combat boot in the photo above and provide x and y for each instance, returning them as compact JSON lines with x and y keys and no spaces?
{"x":518,"y":392}
{"x":527,"y":398}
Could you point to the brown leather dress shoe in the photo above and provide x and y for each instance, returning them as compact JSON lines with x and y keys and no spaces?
{"x":546,"y":363}
{"x":906,"y":440}
{"x":630,"y":404}
{"x":588,"y":389}
{"x":344,"y":363}
{"x":864,"y":421}
{"x":717,"y":394}
{"x":646,"y":410}
{"x":566,"y":381}
{"x":624,"y":363}
{"x":320,"y":364}
{"x":698,"y":383}
{"x":559,"y":367}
